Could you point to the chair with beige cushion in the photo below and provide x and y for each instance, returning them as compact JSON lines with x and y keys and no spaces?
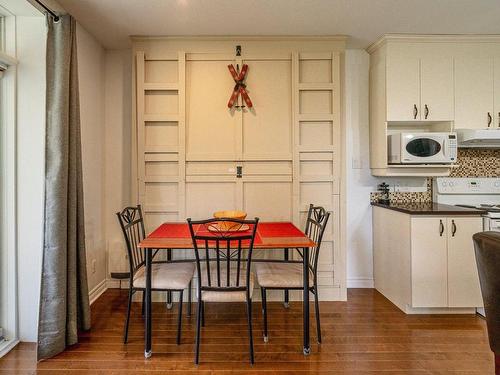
{"x":288,"y":275}
{"x":223,"y":276}
{"x":173,"y":277}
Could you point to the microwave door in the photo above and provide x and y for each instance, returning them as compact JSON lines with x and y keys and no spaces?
{"x":423,"y":149}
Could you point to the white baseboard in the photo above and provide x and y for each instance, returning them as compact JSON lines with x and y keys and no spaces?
{"x":6,"y":346}
{"x":360,"y":282}
{"x":99,"y":289}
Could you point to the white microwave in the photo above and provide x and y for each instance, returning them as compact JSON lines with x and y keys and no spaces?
{"x":422,"y":148}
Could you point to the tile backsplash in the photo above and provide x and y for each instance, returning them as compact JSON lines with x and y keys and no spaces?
{"x":407,"y":197}
{"x":476,"y":162}
{"x":472,"y":162}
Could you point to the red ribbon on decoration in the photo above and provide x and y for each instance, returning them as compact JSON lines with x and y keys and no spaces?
{"x":240,"y":87}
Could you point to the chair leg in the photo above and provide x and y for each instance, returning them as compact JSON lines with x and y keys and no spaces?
{"x":250,"y":335}
{"x":198,"y":333}
{"x":202,"y":313}
{"x":263,"y":292}
{"x":179,"y":319}
{"x":316,"y":307}
{"x":143,"y":302}
{"x":189,"y":301}
{"x":125,"y":334}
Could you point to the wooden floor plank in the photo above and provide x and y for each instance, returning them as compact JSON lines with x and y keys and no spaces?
{"x":366,"y":335}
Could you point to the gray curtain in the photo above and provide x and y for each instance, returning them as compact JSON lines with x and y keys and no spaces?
{"x":64,"y":302}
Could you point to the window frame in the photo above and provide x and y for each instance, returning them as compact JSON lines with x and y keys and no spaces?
{"x":8,"y":216}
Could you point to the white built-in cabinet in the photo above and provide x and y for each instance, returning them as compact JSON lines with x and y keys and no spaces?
{"x":426,"y":262}
{"x":496,"y":93}
{"x":444,"y":271}
{"x":194,"y":155}
{"x":419,"y":89}
{"x":474,"y":94}
{"x":430,"y":83}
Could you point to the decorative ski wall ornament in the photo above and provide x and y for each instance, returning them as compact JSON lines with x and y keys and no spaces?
{"x":240,"y":87}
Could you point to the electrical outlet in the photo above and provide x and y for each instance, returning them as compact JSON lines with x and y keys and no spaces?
{"x":94,"y":263}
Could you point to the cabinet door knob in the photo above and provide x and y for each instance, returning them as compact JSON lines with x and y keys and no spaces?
{"x":415,"y":111}
{"x":426,"y":113}
{"x":453,"y":228}
{"x":489,"y":119}
{"x":441,"y":228}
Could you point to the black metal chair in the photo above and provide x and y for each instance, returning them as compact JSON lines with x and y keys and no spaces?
{"x":221,"y":277}
{"x":487,"y":249}
{"x":287,"y":275}
{"x":173,"y":277}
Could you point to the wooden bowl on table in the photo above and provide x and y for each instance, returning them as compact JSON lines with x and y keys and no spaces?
{"x":229,"y":214}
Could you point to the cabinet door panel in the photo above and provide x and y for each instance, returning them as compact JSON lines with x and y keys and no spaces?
{"x":266,"y":128}
{"x":463,"y":279}
{"x":436,"y":83}
{"x":428,"y":262}
{"x":473,"y":92}
{"x":496,"y":116}
{"x":403,"y":88}
{"x":211,"y":128}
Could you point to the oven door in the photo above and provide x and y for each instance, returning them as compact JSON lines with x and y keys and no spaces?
{"x":424,"y":149}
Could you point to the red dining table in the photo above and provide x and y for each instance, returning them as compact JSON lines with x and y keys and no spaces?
{"x":269,"y":236}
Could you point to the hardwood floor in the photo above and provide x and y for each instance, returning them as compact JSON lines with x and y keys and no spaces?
{"x":366,"y":335}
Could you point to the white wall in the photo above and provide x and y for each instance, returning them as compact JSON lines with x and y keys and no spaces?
{"x":91,"y":57}
{"x":31,"y":37}
{"x":359,"y":180}
{"x":118,"y":117}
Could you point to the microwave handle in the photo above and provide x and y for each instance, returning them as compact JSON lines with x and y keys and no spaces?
{"x":446,"y":147}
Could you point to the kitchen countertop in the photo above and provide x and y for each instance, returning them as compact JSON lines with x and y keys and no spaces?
{"x":429,"y":209}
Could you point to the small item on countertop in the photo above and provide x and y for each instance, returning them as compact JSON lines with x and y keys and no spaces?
{"x":384,"y":197}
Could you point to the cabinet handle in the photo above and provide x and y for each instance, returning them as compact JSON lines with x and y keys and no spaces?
{"x":499,"y":119}
{"x":415,"y":111}
{"x":489,"y":119}
{"x":441,"y":228}
{"x":426,"y":111}
{"x":453,"y":228}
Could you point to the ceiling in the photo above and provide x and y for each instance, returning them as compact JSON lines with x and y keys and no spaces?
{"x":113,"y":21}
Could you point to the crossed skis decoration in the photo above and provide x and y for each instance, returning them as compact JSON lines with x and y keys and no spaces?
{"x":240,"y":86}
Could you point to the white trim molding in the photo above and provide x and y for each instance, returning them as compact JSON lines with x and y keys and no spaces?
{"x":6,"y":346}
{"x":97,"y":291}
{"x":8,"y":197}
{"x":360,"y":282}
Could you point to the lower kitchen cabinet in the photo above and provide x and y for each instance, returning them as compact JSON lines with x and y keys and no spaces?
{"x":426,"y":263}
{"x":429,"y":258}
{"x":463,"y":279}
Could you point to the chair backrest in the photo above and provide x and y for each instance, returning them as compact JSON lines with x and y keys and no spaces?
{"x":132,"y":224}
{"x":317,"y":218}
{"x":221,"y":242}
{"x":487,"y":248}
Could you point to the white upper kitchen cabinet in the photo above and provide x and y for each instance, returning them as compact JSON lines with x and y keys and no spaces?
{"x":496,"y":89}
{"x":474,"y":92}
{"x":419,"y":89}
{"x":403,"y":88}
{"x":436,"y":89}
